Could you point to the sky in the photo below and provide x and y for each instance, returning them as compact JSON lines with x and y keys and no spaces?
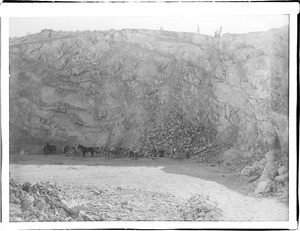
{"x":208,"y":24}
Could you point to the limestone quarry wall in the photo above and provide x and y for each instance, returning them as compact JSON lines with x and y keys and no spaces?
{"x":104,"y":88}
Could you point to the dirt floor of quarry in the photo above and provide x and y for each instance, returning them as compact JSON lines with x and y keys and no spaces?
{"x":147,"y":189}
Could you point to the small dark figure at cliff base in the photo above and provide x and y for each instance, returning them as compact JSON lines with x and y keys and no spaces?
{"x":85,"y":150}
{"x":48,"y":149}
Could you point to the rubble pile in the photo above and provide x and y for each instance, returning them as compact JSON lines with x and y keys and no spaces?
{"x":210,"y":154}
{"x":178,"y":137}
{"x":271,"y":173}
{"x":200,"y":208}
{"x":46,"y":202}
{"x":125,"y":204}
{"x":40,"y":202}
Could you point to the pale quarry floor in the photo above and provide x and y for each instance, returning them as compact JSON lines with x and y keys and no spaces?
{"x":179,"y":178}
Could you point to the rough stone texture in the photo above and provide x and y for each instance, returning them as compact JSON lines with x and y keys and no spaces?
{"x":103,"y":88}
{"x":283,"y":178}
{"x":264,"y":187}
{"x":282,"y":170}
{"x":269,"y":173}
{"x":254,"y":170}
{"x":64,"y":203}
{"x":230,"y":155}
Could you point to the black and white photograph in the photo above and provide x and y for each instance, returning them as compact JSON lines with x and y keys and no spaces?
{"x":0,"y":137}
{"x":149,"y":118}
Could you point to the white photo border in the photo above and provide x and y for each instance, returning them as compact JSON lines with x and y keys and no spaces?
{"x":147,"y":9}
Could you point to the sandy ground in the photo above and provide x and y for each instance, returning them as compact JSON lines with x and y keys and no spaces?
{"x":179,"y":178}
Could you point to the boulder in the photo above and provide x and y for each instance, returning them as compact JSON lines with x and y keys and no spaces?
{"x":26,"y":187}
{"x":254,"y":170}
{"x":71,"y":208}
{"x":40,"y":204}
{"x":246,"y":171}
{"x":26,"y":201}
{"x":42,"y":218}
{"x":264,"y":187}
{"x":282,"y":170}
{"x":34,"y":189}
{"x":283,"y":178}
{"x":269,"y":173}
{"x":32,"y":218}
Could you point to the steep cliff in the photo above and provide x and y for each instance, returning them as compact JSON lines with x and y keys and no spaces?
{"x":127,"y":87}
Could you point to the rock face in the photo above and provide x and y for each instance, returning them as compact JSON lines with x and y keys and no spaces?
{"x":105,"y":88}
{"x":268,"y":174}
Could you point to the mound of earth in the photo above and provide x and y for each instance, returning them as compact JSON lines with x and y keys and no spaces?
{"x":50,"y":202}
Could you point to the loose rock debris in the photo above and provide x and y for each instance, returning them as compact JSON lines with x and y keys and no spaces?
{"x":272,"y":177}
{"x":49,"y":202}
{"x":200,"y":208}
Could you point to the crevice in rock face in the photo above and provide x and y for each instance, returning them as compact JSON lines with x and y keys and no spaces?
{"x":123,"y":88}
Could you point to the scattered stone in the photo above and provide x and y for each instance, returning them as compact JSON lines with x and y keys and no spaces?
{"x":96,"y":192}
{"x":200,"y":208}
{"x":31,"y":218}
{"x":87,"y":217}
{"x":23,"y":152}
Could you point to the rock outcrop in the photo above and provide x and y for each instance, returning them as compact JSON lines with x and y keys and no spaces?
{"x":106,"y":88}
{"x":268,"y":174}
